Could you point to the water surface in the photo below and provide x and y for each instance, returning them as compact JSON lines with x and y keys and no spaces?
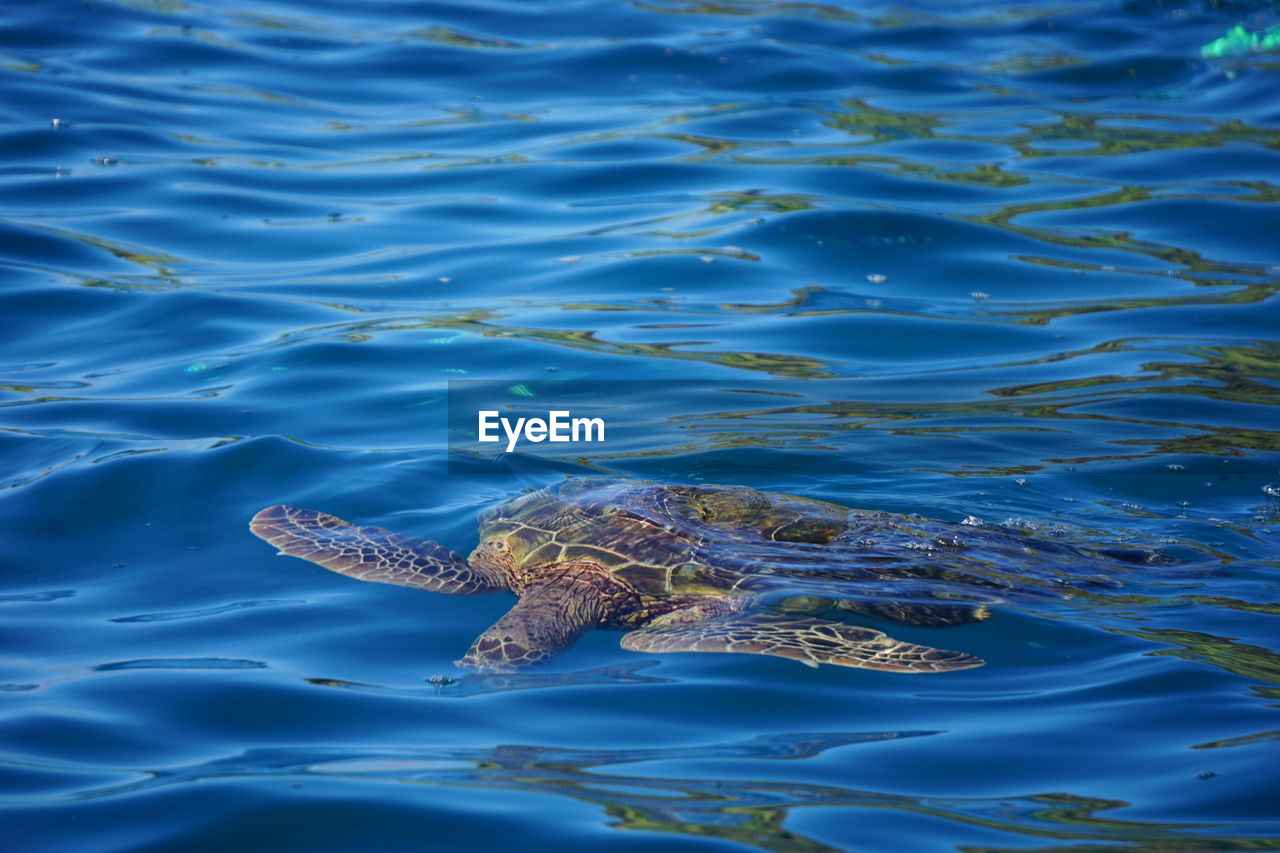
{"x":1011,"y":260}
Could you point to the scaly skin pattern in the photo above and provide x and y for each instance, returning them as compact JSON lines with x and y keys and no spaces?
{"x":557,"y":605}
{"x":684,"y":568}
{"x":809,"y":641}
{"x":371,"y":553}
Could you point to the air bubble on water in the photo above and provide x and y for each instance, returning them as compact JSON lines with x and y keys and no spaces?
{"x":756,"y":220}
{"x":1208,"y":483}
{"x":973,"y":521}
{"x":979,"y":295}
{"x":1022,"y":481}
{"x":1176,"y":467}
{"x":439,"y":680}
{"x":57,"y":122}
{"x":568,"y":259}
{"x":877,"y":278}
{"x":707,"y":259}
{"x":444,"y":279}
{"x":105,"y":161}
{"x":1272,"y":489}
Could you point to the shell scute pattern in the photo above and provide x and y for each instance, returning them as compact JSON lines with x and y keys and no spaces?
{"x":623,"y":529}
{"x":703,"y":540}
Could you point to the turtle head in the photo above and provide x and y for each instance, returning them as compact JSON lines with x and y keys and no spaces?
{"x":494,"y":554}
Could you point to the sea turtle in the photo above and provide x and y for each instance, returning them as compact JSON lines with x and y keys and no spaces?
{"x":692,"y":568}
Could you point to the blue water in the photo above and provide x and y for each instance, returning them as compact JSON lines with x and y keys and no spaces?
{"x":1014,"y":260}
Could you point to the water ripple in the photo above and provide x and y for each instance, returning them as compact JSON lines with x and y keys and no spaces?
{"x":749,"y":812}
{"x":203,"y":612}
{"x":1005,"y":260}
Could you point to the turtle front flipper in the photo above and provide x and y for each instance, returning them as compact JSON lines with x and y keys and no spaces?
{"x":558,"y":606}
{"x":370,"y":553}
{"x":809,"y":641}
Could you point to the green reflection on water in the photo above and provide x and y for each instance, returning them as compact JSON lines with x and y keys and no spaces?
{"x":582,"y":339}
{"x":745,"y":811}
{"x":1222,"y":373}
{"x":1253,"y":662}
{"x":880,"y":123}
{"x":1243,"y":740}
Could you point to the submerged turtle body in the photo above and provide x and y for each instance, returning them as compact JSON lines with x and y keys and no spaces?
{"x":696,"y":568}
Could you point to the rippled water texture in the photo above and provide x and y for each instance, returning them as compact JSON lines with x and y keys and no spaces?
{"x":1010,"y":260}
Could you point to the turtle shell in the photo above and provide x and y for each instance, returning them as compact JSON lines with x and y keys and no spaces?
{"x":703,"y":539}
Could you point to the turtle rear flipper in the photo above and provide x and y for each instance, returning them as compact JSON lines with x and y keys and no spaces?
{"x":370,"y":553}
{"x":809,"y":641}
